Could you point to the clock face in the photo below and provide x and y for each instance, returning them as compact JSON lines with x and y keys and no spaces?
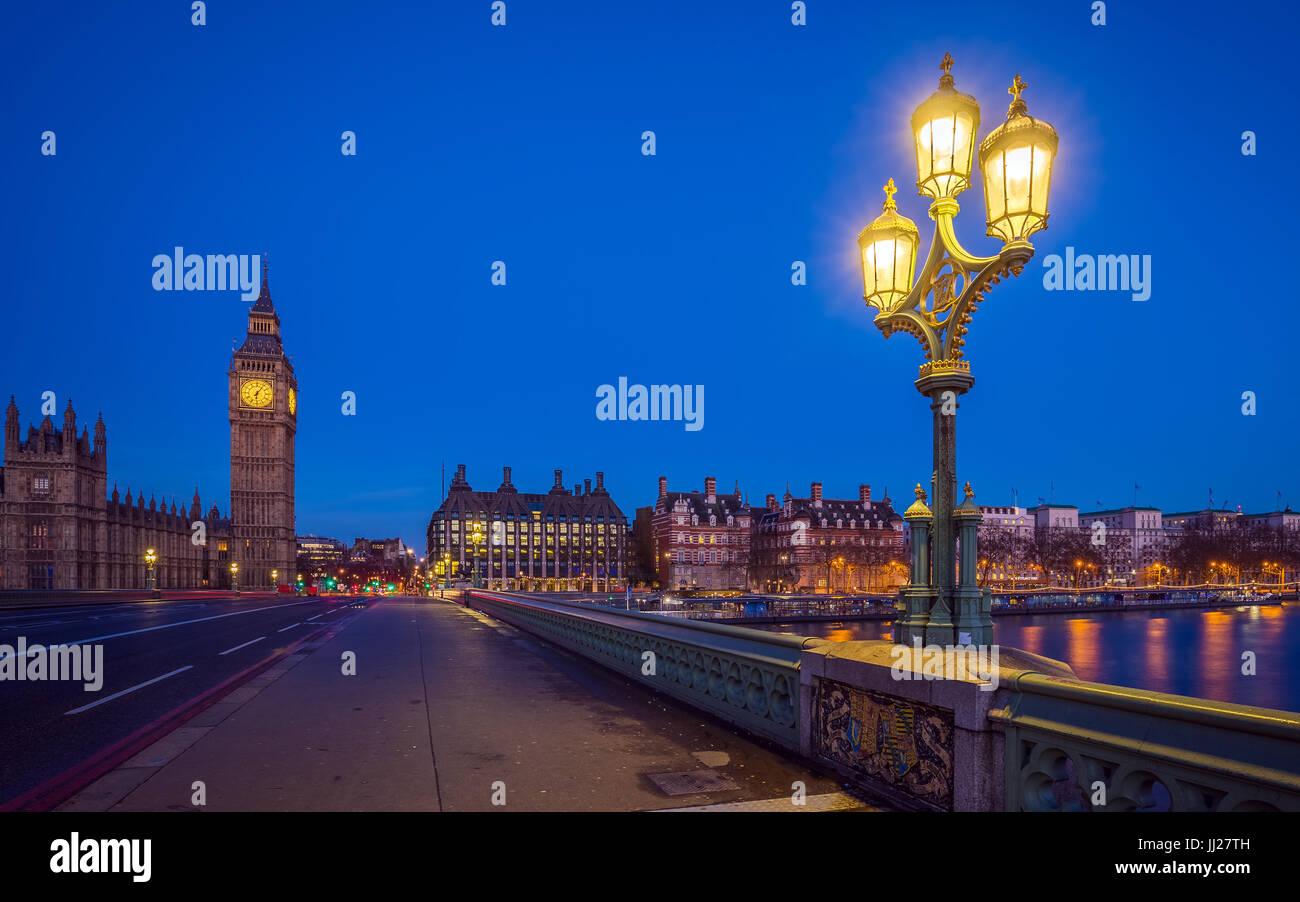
{"x":256,"y":393}
{"x":293,"y":400}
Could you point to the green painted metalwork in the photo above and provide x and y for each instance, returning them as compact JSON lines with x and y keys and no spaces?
{"x":1068,"y":739}
{"x":747,"y":677}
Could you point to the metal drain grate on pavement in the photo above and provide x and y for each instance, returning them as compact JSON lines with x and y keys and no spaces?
{"x":692,"y":782}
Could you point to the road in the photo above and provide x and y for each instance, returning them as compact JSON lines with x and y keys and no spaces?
{"x":157,"y":655}
{"x":443,"y":706}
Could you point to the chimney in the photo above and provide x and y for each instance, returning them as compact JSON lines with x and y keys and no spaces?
{"x":559,"y":478}
{"x":586,"y":486}
{"x":864,"y":494}
{"x":770,"y":501}
{"x":710,"y":489}
{"x":817,"y":494}
{"x":505,"y":475}
{"x":663,"y":486}
{"x":600,"y":481}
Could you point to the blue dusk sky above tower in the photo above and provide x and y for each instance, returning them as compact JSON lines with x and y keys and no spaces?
{"x":524,"y":144}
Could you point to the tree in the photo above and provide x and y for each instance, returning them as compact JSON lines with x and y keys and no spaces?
{"x":1055,"y":549}
{"x":998,"y":547}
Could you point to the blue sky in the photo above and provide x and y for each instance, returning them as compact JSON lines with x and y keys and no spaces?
{"x":523,"y":144}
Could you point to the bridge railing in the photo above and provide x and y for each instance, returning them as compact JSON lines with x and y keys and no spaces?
{"x":747,"y":677}
{"x":1076,"y":746}
{"x":1037,"y":739}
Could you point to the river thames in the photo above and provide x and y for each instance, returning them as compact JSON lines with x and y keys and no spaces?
{"x":1183,"y":651}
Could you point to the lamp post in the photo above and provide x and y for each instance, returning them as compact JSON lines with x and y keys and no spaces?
{"x":234,"y":576}
{"x":149,"y":557}
{"x":477,"y":538}
{"x":1016,"y":159}
{"x":275,"y":579}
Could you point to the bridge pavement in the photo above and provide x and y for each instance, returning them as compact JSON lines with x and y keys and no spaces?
{"x":446,"y":703}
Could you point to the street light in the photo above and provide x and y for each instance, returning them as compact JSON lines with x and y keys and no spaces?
{"x":936,"y":309}
{"x":149,"y":557}
{"x":477,"y":538}
{"x":234,"y":576}
{"x":1016,"y":160}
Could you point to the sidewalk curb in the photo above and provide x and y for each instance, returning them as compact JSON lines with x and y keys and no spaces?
{"x":64,"y":786}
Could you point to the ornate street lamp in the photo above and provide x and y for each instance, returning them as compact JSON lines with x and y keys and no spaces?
{"x":477,"y":538}
{"x":149,"y":557}
{"x":234,"y":576}
{"x":945,"y":126}
{"x":888,"y":249}
{"x":1016,"y":160}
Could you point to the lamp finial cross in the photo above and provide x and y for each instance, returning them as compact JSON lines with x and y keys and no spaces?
{"x":946,"y":64}
{"x":1017,"y":86}
{"x":890,"y":191}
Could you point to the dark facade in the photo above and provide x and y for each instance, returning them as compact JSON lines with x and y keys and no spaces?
{"x":59,"y":531}
{"x":561,"y":541}
{"x":641,"y":567}
{"x":320,"y":556}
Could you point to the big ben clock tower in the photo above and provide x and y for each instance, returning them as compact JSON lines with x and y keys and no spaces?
{"x":263,"y":420}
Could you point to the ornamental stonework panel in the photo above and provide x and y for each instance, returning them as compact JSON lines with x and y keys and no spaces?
{"x":905,"y":745}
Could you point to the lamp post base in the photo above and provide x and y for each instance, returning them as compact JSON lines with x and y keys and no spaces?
{"x":913,"y":619}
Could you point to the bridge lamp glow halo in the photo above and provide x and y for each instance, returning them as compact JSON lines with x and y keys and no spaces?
{"x":888,"y":248}
{"x":945,"y":126}
{"x":1017,"y":159}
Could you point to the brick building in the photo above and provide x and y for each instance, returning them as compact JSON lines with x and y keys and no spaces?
{"x":701,"y":539}
{"x":823,"y":545}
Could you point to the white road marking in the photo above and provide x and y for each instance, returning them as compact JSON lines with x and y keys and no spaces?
{"x":28,"y":626}
{"x":84,"y":614}
{"x":245,"y":645}
{"x":125,"y":691}
{"x":290,"y":626}
{"x":165,"y":626}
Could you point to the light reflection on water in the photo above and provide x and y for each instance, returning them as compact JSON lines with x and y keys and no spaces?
{"x":1183,"y":651}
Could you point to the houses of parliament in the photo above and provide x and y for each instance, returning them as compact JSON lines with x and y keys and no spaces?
{"x":61,"y":529}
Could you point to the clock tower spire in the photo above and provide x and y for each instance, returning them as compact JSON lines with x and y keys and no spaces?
{"x":263,"y":406}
